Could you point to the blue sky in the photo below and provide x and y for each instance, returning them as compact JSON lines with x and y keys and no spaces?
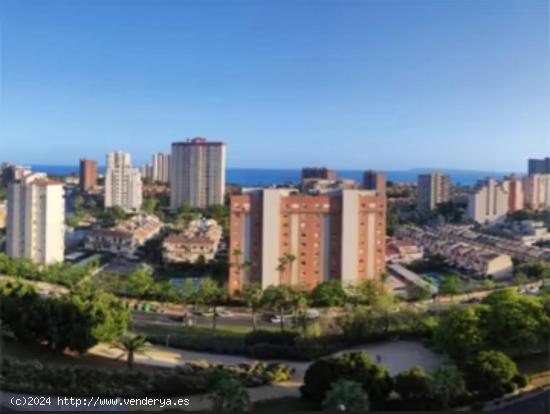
{"x":389,"y":84}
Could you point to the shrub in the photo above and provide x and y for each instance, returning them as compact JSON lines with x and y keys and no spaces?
{"x":268,"y":337}
{"x":492,"y":374}
{"x":354,"y":366}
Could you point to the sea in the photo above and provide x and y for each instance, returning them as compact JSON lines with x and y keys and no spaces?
{"x":267,"y":177}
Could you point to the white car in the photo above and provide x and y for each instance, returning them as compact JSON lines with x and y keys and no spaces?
{"x":224,"y":313}
{"x":275,"y":319}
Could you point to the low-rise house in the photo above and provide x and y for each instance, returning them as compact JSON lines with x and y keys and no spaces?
{"x":403,"y":251}
{"x":479,"y":260}
{"x":200,"y":238}
{"x":125,"y":238}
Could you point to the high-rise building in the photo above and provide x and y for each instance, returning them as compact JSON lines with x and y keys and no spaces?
{"x":122,"y":182}
{"x":197,"y":173}
{"x":36,"y":219}
{"x":489,"y":202}
{"x":88,"y":174}
{"x":321,"y":173}
{"x":536,"y":189}
{"x":539,"y":166}
{"x":161,"y":167}
{"x":10,"y":173}
{"x":303,"y":240}
{"x":373,"y":180}
{"x":146,"y":171}
{"x":433,"y":188}
{"x":514,"y":186}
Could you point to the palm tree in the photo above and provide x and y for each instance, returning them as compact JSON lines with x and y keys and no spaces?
{"x":132,"y":344}
{"x":252,"y":294}
{"x":300,"y":304}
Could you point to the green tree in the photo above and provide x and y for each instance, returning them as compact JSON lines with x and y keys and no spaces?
{"x":450,"y":285}
{"x":492,"y":374}
{"x":447,"y":385}
{"x":353,"y":366}
{"x":132,"y":344}
{"x":141,"y":281}
{"x":512,"y":320}
{"x":458,"y":333}
{"x":228,"y":394}
{"x":252,"y":295}
{"x":345,"y":395}
{"x":211,"y":294}
{"x":329,"y":293}
{"x":413,"y":384}
{"x":279,"y":299}
{"x":149,"y":205}
{"x":300,"y":305}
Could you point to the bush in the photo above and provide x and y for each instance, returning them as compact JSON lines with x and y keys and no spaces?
{"x":492,"y":374}
{"x":33,"y":377}
{"x":268,"y":337}
{"x":354,"y":366}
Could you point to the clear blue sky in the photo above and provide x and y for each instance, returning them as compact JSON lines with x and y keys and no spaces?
{"x":389,"y":84}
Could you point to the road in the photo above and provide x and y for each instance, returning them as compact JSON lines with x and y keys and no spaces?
{"x":536,"y":403}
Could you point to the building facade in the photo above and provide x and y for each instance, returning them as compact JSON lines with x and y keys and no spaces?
{"x":302,"y":240}
{"x":373,"y":180}
{"x":122,"y":182}
{"x":36,"y":219}
{"x":537,"y":191}
{"x":539,"y":166}
{"x":489,"y":202}
{"x":161,"y":167}
{"x":125,"y":238}
{"x":10,"y":173}
{"x":88,"y":175}
{"x":516,"y":198}
{"x":432,"y":189}
{"x":200,"y":238}
{"x":320,"y":173}
{"x":197,"y":173}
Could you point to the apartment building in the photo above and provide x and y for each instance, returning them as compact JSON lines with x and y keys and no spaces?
{"x":3,"y":214}
{"x":537,"y":191}
{"x":302,"y":240}
{"x":536,"y":166}
{"x":489,"y":202}
{"x":197,"y":173}
{"x":122,"y":182}
{"x":88,"y":175}
{"x":36,"y":219}
{"x":10,"y":173}
{"x":125,"y":238}
{"x":432,"y":189}
{"x":373,"y":180}
{"x":516,"y":198}
{"x":323,"y":186}
{"x":161,"y":167}
{"x":320,"y":173}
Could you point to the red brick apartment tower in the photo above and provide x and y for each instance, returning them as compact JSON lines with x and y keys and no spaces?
{"x":88,"y":174}
{"x":337,"y":236}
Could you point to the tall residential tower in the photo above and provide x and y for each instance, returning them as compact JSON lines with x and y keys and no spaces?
{"x":122,"y":182}
{"x":433,"y":188}
{"x":303,"y":240}
{"x":197,"y":173}
{"x":36,"y":219}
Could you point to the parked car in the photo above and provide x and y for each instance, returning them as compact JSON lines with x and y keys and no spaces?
{"x":224,"y":313}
